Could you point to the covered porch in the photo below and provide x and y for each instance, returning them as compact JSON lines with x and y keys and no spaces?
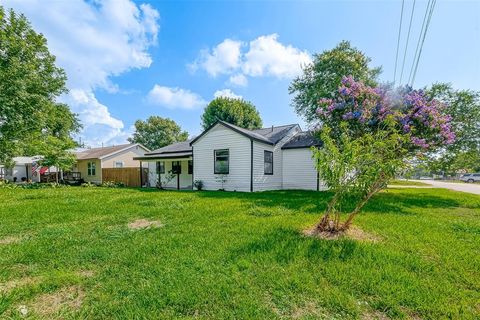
{"x":172,"y":171}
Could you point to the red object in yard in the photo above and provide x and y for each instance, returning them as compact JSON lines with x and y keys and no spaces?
{"x":43,"y":170}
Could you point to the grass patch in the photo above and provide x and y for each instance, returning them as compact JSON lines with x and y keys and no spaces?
{"x":408,"y":183}
{"x":233,"y":255}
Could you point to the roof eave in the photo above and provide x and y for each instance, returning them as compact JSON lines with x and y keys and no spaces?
{"x":226,"y":124}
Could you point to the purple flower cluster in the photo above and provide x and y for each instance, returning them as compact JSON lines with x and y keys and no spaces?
{"x":365,"y":108}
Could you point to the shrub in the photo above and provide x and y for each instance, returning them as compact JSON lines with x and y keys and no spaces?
{"x":112,"y":184}
{"x":198,"y":184}
{"x":88,"y":185}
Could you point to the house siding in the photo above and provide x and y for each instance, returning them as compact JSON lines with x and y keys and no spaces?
{"x":261,"y":181}
{"x":185,"y":178}
{"x":126,"y":157}
{"x":82,"y":167}
{"x":221,"y":137}
{"x":299,"y":170}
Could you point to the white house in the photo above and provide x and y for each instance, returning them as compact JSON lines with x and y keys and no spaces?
{"x":228,"y":157}
{"x":22,"y":171}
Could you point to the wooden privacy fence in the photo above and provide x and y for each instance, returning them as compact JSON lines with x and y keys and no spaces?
{"x":128,"y":176}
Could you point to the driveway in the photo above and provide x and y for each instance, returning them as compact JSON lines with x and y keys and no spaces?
{"x":464,"y":187}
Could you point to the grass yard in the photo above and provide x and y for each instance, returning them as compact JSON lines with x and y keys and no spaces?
{"x":408,"y":183}
{"x":70,"y":253}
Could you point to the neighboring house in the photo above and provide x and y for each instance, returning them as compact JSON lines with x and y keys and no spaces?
{"x":22,"y":170}
{"x":228,"y":157}
{"x":90,"y":162}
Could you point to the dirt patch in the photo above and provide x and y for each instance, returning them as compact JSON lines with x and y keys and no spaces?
{"x":16,"y":283}
{"x":353,"y":233}
{"x":144,"y":224}
{"x":10,"y":240}
{"x":86,"y":273}
{"x":49,"y":304}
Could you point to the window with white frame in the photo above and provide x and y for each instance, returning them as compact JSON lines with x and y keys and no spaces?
{"x":222,"y":161}
{"x":91,"y":168}
{"x":118,"y":164}
{"x":268,"y":162}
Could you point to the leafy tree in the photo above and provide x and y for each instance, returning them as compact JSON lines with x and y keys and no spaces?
{"x":464,"y":108}
{"x":157,"y":132}
{"x":322,"y":78}
{"x":235,"y":111}
{"x":368,"y":134}
{"x":30,"y":84}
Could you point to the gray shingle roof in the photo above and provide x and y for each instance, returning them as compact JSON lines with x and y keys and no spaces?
{"x":304,"y":139}
{"x":275,"y":134}
{"x":271,"y":135}
{"x":183,"y":146}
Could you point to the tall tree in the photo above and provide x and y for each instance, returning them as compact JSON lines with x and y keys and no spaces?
{"x":157,"y":132}
{"x":322,"y":78}
{"x":235,"y":111}
{"x":30,"y":84}
{"x":464,"y":108}
{"x":368,"y":134}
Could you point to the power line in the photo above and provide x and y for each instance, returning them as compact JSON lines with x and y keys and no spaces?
{"x":423,"y":40}
{"x":398,"y":43}
{"x":408,"y":37}
{"x":419,"y":40}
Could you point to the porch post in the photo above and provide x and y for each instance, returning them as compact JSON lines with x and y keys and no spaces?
{"x":141,"y":175}
{"x":178,"y":178}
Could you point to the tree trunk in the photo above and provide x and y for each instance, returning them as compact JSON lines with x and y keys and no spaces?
{"x":325,"y":223}
{"x":377,"y":186}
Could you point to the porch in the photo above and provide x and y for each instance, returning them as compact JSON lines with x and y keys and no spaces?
{"x":172,"y":171}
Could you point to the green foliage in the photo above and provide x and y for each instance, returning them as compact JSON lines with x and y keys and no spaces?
{"x":322,"y":78}
{"x":464,"y":108}
{"x":31,"y":185}
{"x":157,"y":132}
{"x":235,"y":111}
{"x":198,"y":184}
{"x":238,"y":255}
{"x":30,"y":84}
{"x":112,"y":184}
{"x":355,"y":168}
{"x":88,"y":184}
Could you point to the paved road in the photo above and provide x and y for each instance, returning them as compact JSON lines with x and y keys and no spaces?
{"x":464,"y":187}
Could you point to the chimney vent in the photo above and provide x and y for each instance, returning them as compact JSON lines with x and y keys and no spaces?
{"x":272,"y":128}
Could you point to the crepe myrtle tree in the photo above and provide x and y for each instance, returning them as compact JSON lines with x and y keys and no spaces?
{"x":368,"y":135}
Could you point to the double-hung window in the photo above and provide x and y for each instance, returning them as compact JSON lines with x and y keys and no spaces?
{"x":221,"y":159}
{"x":176,"y":167}
{"x":91,"y":168}
{"x":267,"y":162}
{"x":160,"y":167}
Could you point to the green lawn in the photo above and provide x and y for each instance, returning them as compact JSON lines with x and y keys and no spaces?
{"x":68,"y":253}
{"x":408,"y":183}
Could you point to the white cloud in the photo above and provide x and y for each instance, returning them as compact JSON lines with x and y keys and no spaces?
{"x":222,"y":59}
{"x":263,"y":56}
{"x":226,"y":93}
{"x":174,"y":97}
{"x":94,"y":41}
{"x":267,"y":56}
{"x":238,"y":80}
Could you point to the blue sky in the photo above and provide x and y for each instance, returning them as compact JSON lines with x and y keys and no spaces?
{"x":129,"y":60}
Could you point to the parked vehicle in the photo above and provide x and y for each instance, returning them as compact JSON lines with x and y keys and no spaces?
{"x":470,"y":177}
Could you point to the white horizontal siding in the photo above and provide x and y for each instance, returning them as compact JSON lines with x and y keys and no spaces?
{"x":221,"y":137}
{"x":185,"y":178}
{"x":261,"y":181}
{"x":299,"y":170}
